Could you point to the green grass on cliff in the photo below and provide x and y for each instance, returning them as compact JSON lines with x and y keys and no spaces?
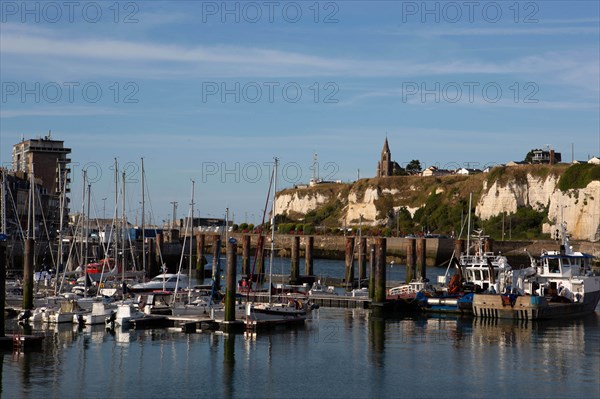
{"x":442,"y":202}
{"x":578,"y":176}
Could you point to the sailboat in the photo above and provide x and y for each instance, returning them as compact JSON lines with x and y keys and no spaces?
{"x":290,"y":310}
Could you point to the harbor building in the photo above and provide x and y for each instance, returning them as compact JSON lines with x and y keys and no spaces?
{"x":41,"y":164}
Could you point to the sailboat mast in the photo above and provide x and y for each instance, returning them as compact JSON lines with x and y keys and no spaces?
{"x":273,"y":226}
{"x":123,"y":231}
{"x":114,"y":227}
{"x":83,"y":252}
{"x":87,"y":235}
{"x":61,"y":198}
{"x":81,"y":217}
{"x":469,"y":224}
{"x":143,"y":225}
{"x":4,"y":201}
{"x":191,"y":241}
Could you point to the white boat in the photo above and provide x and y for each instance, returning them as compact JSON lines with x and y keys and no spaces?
{"x":319,"y":289}
{"x":560,"y":284}
{"x":164,"y":282}
{"x":125,"y":312}
{"x":68,"y":312}
{"x":98,"y":315}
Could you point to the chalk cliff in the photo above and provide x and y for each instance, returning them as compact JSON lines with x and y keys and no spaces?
{"x":375,"y":201}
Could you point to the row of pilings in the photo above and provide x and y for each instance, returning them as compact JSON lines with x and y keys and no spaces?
{"x":356,"y":251}
{"x":377,"y":271}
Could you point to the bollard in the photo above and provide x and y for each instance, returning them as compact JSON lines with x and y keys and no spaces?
{"x":230,"y":280}
{"x":308,"y":256}
{"x":295,"y":261}
{"x":421,"y":266}
{"x":349,"y":263}
{"x":380,"y":264}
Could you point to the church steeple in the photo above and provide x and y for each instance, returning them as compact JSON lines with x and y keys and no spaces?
{"x":386,"y":148}
{"x":385,"y":166}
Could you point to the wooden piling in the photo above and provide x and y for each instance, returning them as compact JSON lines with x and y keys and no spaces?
{"x":459,"y":248}
{"x":151,"y":260}
{"x":295,"y":261}
{"x":2,"y":286}
{"x":308,"y":256}
{"x":28,"y":274}
{"x":260,"y":256}
{"x":380,"y":266}
{"x":371,"y":271}
{"x":488,"y":245}
{"x":230,"y":280}
{"x":159,"y":250}
{"x":421,"y":265}
{"x":411,"y":265}
{"x":362,"y":258}
{"x":246,"y":254}
{"x":216,"y":268}
{"x":349,"y":263}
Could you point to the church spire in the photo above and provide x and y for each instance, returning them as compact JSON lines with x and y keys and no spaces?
{"x":386,"y":147}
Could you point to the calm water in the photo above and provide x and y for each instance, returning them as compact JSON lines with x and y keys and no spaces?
{"x":339,"y":353}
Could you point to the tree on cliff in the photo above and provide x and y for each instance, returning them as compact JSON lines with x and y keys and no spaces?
{"x":413,"y":167}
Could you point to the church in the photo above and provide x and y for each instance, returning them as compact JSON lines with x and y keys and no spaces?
{"x":386,"y":167}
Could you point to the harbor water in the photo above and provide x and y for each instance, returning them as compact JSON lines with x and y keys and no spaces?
{"x":338,"y":353}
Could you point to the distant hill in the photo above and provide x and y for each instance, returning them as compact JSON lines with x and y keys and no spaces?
{"x":528,"y":200}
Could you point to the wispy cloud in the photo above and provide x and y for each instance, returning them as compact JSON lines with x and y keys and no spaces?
{"x":152,"y":60}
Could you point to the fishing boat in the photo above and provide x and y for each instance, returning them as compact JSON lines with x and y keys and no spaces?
{"x":561,"y":283}
{"x":481,"y":272}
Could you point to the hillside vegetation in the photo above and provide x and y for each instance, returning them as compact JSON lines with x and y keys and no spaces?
{"x":406,"y":205}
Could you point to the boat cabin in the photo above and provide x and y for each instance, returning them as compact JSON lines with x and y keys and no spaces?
{"x":560,"y":264}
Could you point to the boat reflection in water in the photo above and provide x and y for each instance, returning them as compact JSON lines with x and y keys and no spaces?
{"x":353,"y":353}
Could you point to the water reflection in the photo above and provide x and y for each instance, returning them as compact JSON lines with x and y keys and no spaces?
{"x":339,"y":353}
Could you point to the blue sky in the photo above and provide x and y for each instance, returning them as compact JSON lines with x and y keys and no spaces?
{"x":212,"y":91}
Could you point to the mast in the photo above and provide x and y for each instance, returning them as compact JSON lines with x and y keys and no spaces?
{"x":191,"y":241}
{"x":114,"y":228}
{"x":61,"y":199}
{"x":123,"y":231}
{"x":143,"y":225}
{"x":87,"y":235}
{"x":82,"y":215}
{"x":3,"y":193}
{"x":469,"y":224}
{"x":273,"y":227}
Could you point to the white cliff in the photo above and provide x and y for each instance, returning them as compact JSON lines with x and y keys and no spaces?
{"x":580,"y":208}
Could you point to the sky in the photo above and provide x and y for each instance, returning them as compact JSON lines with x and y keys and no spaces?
{"x":212,"y":92}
